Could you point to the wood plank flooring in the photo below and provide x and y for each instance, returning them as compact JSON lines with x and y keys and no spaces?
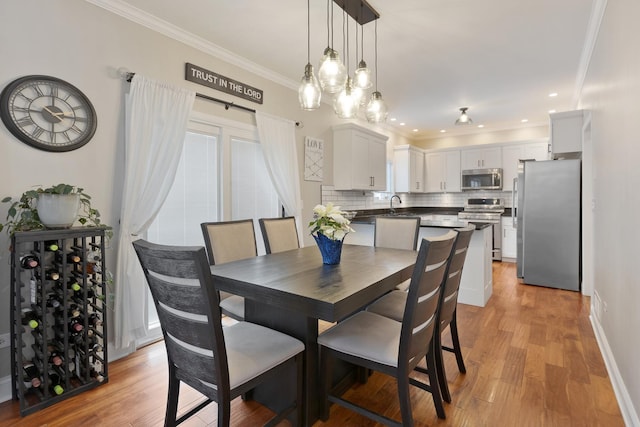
{"x":531,"y":357}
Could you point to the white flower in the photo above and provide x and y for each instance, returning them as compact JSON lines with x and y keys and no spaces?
{"x":330,"y":221}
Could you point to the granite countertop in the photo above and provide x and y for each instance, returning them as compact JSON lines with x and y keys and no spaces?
{"x":446,"y":217}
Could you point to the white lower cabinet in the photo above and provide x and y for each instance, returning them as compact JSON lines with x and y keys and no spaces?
{"x":509,"y":239}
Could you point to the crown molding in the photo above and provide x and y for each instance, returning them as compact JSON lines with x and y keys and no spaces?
{"x":133,"y":14}
{"x":593,"y":28}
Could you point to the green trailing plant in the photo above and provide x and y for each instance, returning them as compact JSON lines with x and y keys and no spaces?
{"x":23,"y":213}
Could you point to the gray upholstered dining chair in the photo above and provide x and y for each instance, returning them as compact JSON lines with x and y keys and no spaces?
{"x":221,"y":363}
{"x":392,"y":305}
{"x":394,"y":348}
{"x":279,"y":234}
{"x":228,"y":241}
{"x":397,"y":232}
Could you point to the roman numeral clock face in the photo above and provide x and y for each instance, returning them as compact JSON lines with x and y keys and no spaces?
{"x":47,"y":113}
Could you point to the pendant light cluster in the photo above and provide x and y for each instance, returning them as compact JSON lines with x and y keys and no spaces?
{"x":333,"y":76}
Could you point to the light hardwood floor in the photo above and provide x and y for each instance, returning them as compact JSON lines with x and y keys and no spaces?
{"x":531,"y":357}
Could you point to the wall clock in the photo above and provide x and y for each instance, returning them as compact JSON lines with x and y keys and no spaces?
{"x":47,"y":113}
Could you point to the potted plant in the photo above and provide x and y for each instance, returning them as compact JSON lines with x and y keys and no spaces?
{"x":328,"y":228}
{"x":58,"y":206}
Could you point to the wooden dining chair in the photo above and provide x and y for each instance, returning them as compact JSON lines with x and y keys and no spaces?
{"x":228,"y":241}
{"x":394,"y":348}
{"x":392,"y":305}
{"x":221,"y":363}
{"x":279,"y":234}
{"x":397,"y":232}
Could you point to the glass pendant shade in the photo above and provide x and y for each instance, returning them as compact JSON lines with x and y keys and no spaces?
{"x":362,"y":78}
{"x":346,"y":104}
{"x":332,"y":73}
{"x":376,"y":109}
{"x":309,"y":93}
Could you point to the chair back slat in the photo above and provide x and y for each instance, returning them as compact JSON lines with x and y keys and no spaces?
{"x":451,"y":287}
{"x":396,"y":232}
{"x":228,"y":241}
{"x":422,"y":299}
{"x":279,"y":234}
{"x":188,"y":308}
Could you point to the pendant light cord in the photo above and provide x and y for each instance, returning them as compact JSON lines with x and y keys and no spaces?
{"x":376,"y":58}
{"x":308,"y":32}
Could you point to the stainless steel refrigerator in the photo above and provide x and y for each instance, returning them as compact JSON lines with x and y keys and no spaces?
{"x":548,"y":223}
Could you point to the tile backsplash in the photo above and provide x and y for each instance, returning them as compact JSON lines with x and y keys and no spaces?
{"x":360,"y":200}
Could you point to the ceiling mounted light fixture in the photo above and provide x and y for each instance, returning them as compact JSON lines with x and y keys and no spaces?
{"x":332,"y":73}
{"x":464,"y":118}
{"x":309,"y":93}
{"x":376,"y":111}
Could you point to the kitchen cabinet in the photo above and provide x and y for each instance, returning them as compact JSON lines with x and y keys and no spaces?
{"x":359,"y":158}
{"x":443,"y":171}
{"x":481,"y":158}
{"x":566,"y":133}
{"x":512,"y":154}
{"x":408,"y":166}
{"x":509,"y":236}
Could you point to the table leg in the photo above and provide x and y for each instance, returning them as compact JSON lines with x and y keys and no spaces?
{"x":306,"y":330}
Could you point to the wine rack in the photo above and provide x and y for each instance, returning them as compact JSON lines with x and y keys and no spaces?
{"x":58,"y":315}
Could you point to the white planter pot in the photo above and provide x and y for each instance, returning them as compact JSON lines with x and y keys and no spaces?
{"x":58,"y":210}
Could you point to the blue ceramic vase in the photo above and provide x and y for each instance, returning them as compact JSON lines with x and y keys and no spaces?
{"x":330,"y":249}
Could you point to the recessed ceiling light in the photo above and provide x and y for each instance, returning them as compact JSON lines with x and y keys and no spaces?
{"x":480,"y":126}
{"x":402,"y":124}
{"x":553,"y":94}
{"x":393,"y":119}
{"x":552,"y":111}
{"x":442,"y":131}
{"x":524,"y":120}
{"x":415,"y":130}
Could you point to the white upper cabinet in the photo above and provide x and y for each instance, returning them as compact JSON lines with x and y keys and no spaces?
{"x":566,"y":133}
{"x":442,"y":171}
{"x":359,"y":158}
{"x":408,"y":166}
{"x":481,"y":158}
{"x":511,"y":156}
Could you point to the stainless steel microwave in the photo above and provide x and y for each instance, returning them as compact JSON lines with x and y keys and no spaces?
{"x":482,"y":179}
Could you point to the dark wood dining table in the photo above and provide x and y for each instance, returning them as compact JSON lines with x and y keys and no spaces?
{"x":289,"y":291}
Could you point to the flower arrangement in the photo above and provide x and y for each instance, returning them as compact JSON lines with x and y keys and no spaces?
{"x":330,"y":221}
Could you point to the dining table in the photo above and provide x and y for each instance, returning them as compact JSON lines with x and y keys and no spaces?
{"x":291,"y":291}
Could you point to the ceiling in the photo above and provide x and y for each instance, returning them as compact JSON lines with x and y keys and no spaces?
{"x":500,"y":58}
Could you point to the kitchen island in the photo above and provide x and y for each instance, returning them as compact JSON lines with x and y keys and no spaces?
{"x":476,"y":284}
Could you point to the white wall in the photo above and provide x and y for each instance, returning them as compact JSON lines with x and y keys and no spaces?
{"x":611,"y":91}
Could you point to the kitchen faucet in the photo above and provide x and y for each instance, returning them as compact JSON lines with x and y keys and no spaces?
{"x":392,"y":211}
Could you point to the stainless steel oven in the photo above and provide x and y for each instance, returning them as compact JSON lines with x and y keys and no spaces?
{"x":489,"y":211}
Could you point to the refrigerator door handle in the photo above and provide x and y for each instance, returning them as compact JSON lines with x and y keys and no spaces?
{"x":514,"y":220}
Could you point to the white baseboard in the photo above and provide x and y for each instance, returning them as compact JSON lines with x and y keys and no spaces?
{"x":5,"y":388}
{"x":622,"y":394}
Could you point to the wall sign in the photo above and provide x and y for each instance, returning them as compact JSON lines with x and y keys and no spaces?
{"x":199,"y":75}
{"x":313,"y":157}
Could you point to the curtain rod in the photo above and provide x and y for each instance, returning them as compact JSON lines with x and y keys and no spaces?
{"x":127,"y":75}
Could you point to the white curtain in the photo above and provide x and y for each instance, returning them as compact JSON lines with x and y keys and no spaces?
{"x":278,"y":140}
{"x":155,"y":126}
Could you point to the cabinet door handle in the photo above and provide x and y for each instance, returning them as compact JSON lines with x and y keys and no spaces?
{"x":445,"y":185}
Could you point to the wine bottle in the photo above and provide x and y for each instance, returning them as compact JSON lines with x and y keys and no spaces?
{"x":73,"y":311}
{"x":54,"y":301}
{"x":30,"y":318}
{"x":49,"y":246}
{"x":31,"y":375}
{"x":73,"y":285}
{"x":29,"y":261}
{"x":75,"y":326}
{"x":94,"y":319}
{"x":55,"y":382}
{"x":51,"y":274}
{"x":55,"y":357}
{"x":72,"y":257}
